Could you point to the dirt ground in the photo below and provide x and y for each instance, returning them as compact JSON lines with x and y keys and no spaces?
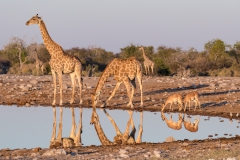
{"x":218,"y":97}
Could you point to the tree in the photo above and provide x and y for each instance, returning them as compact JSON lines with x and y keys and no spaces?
{"x":215,"y":48}
{"x":130,"y":51}
{"x":16,"y":50}
{"x":235,"y":52}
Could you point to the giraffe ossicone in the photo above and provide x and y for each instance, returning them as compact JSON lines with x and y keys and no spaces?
{"x":60,"y":62}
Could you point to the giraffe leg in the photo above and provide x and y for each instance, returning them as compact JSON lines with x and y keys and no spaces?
{"x":73,"y":80}
{"x":126,"y":82}
{"x":59,"y":137}
{"x":118,"y":132}
{"x":80,"y":83}
{"x":78,"y":140}
{"x":60,"y":86}
{"x":73,"y":129}
{"x":54,"y":126}
{"x":132,"y":92}
{"x":152,"y":68}
{"x":37,"y":68}
{"x":112,"y":94}
{"x":139,"y":138}
{"x":139,"y":77}
{"x":127,"y":130}
{"x":132,"y":122}
{"x":145,"y":69}
{"x":148,"y":70}
{"x":132,"y":134}
{"x":55,"y":87}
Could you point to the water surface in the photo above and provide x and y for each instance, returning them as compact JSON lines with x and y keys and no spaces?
{"x":30,"y":127}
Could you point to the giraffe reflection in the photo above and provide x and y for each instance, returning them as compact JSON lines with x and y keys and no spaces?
{"x":171,"y":124}
{"x":125,"y":138}
{"x":120,"y":138}
{"x":74,"y":138}
{"x":192,"y":127}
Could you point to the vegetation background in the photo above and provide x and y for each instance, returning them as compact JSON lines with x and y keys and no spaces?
{"x":217,"y":59}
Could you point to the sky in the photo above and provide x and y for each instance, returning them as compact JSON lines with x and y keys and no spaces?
{"x":113,"y":25}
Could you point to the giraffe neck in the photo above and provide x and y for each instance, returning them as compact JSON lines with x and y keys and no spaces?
{"x":144,"y":55}
{"x":101,"y":135}
{"x":106,"y":73}
{"x":37,"y":58}
{"x":51,"y":46}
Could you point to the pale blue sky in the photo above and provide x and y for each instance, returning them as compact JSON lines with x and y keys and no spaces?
{"x":115,"y":24}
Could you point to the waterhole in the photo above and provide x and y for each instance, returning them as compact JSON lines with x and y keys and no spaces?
{"x":30,"y":127}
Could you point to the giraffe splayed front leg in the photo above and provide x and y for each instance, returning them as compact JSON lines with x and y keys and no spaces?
{"x":123,"y":71}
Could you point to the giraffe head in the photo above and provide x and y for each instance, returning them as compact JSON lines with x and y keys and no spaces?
{"x":94,"y":118}
{"x":95,"y":98}
{"x":180,"y":118}
{"x":140,"y":48}
{"x":163,"y":116}
{"x":34,"y":20}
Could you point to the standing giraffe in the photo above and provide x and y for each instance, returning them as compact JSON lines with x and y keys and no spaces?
{"x":124,"y":71}
{"x":60,"y":61}
{"x":147,"y":62}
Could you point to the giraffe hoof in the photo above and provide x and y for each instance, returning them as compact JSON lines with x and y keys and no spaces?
{"x":130,"y":104}
{"x":54,"y":103}
{"x":103,"y":105}
{"x":81,"y":102}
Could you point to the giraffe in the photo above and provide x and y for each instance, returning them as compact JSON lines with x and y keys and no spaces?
{"x":124,"y":71}
{"x":174,"y":98}
{"x":74,"y":138}
{"x":120,"y":138}
{"x":171,"y":124}
{"x":147,"y":62}
{"x":92,"y":70}
{"x":39,"y":63}
{"x":126,"y":138}
{"x":60,"y":61}
{"x":192,"y":127}
{"x":191,"y":96}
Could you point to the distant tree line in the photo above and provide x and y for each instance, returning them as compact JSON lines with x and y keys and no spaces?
{"x":217,"y":59}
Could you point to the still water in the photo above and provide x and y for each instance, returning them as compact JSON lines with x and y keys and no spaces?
{"x":30,"y":127}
